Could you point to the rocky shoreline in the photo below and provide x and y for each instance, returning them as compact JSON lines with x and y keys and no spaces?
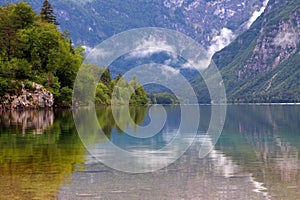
{"x":35,"y":97}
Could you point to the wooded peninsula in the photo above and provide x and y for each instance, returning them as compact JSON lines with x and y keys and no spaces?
{"x":39,"y":63}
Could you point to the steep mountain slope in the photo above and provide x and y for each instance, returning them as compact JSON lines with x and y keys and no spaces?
{"x":263,"y":63}
{"x":214,"y":24}
{"x":92,"y":21}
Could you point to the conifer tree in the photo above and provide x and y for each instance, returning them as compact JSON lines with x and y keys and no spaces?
{"x":47,"y":13}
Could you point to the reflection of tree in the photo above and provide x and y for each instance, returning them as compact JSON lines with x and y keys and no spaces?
{"x":34,"y":166}
{"x":108,"y":122}
{"x":89,"y":127}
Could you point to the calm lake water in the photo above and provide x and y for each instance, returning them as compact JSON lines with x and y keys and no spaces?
{"x":256,"y":157}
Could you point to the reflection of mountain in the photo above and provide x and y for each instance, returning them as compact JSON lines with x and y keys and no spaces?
{"x":33,"y":166}
{"x":36,"y":121}
{"x":243,"y":165}
{"x":264,"y":140}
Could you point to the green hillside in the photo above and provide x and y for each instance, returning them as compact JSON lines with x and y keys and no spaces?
{"x":263,"y":63}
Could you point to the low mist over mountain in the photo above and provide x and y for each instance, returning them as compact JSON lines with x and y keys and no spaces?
{"x":263,"y":63}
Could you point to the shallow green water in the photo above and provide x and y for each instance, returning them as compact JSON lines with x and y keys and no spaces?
{"x":256,"y":157}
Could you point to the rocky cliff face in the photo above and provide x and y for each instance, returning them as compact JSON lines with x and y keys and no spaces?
{"x":35,"y":97}
{"x":263,"y":63}
{"x":275,"y":44}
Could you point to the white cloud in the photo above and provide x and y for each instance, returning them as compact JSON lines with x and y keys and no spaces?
{"x":94,"y":54}
{"x":169,"y":71}
{"x":221,"y":40}
{"x":142,"y":53}
{"x":256,"y":14}
{"x":226,"y":36}
{"x":198,"y":65}
{"x":82,"y":1}
{"x":150,"y":46}
{"x":87,"y":49}
{"x":168,"y":62}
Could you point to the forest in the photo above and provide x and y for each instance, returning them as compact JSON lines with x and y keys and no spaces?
{"x":33,"y":49}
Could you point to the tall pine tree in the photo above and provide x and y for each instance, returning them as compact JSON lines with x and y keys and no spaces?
{"x":47,"y":13}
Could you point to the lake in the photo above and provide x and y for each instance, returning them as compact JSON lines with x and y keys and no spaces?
{"x":257,"y":156}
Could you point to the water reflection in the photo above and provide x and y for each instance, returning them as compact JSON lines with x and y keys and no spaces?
{"x":120,"y":121}
{"x":34,"y":166}
{"x":256,"y":157}
{"x":130,"y":150}
{"x":265,"y":141}
{"x":107,"y":122}
{"x":23,"y":121}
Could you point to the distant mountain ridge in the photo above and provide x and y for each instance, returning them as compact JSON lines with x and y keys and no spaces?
{"x":213,"y":24}
{"x":263,"y":63}
{"x":92,"y":21}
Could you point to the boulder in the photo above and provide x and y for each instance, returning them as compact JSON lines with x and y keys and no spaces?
{"x":36,"y":97}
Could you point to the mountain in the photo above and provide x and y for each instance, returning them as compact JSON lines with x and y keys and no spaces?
{"x":260,"y":65}
{"x":214,"y":24}
{"x":263,"y":63}
{"x":92,"y":21}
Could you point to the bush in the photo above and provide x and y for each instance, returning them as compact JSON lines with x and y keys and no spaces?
{"x":65,"y":97}
{"x":28,"y":85}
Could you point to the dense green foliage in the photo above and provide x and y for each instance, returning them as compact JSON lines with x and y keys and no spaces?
{"x":35,"y":50}
{"x":47,"y":13}
{"x":90,"y":22}
{"x":163,"y":98}
{"x":105,"y":89}
{"x":32,"y":49}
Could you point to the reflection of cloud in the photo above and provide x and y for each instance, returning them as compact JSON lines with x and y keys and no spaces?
{"x":146,"y":157}
{"x":256,"y":14}
{"x":169,"y":134}
{"x":221,"y":40}
{"x":227,"y":167}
